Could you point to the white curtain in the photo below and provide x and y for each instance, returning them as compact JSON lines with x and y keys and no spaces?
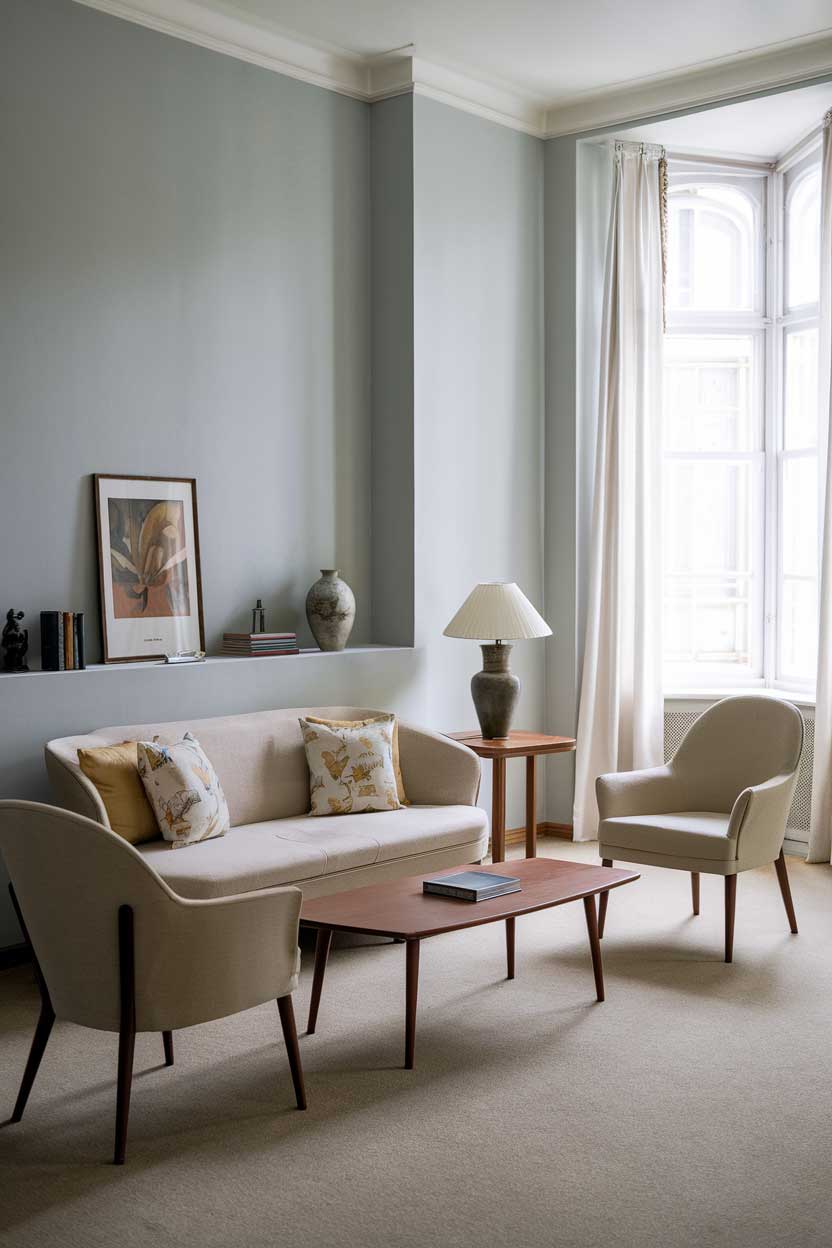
{"x":820,"y":837}
{"x":620,"y":718}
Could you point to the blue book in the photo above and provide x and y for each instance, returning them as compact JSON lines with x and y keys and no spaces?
{"x":471,"y":885}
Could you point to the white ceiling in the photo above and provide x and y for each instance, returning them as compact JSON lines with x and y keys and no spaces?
{"x":552,"y":48}
{"x":765,"y":128}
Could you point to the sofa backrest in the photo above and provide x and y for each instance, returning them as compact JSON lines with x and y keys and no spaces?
{"x":259,"y":758}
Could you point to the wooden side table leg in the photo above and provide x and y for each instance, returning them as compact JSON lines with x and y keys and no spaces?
{"x":509,"y":948}
{"x":498,"y":810}
{"x":411,"y":993}
{"x":594,"y":944}
{"x":322,"y":944}
{"x":531,"y":807}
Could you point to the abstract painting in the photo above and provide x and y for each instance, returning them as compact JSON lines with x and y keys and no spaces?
{"x":148,"y":549}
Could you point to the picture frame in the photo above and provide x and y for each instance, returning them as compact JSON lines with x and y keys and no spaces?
{"x":149,"y":572}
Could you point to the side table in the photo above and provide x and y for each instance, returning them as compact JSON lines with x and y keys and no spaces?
{"x":516,"y":745}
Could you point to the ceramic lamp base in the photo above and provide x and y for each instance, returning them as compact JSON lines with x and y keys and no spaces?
{"x":495,"y":691}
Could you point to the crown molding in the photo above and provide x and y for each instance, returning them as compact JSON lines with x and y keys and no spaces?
{"x":397,"y":75}
{"x":377,"y":78}
{"x":333,"y":69}
{"x":718,"y":81}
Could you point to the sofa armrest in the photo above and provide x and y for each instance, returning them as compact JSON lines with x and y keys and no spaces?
{"x":73,"y":790}
{"x":652,"y":791}
{"x":436,"y":770}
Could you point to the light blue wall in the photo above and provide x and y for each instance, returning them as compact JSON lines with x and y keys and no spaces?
{"x":478,"y":292}
{"x":199,"y":259}
{"x":184,"y":290}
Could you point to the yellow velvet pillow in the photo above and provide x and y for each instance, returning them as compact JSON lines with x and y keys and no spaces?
{"x":362,"y":723}
{"x":114,"y":770}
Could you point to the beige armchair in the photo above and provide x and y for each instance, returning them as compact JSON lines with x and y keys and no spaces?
{"x":719,"y":806}
{"x":114,"y":948}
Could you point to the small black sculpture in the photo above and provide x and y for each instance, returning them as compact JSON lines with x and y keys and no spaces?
{"x":15,"y":643}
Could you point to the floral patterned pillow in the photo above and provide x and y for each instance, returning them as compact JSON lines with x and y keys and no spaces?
{"x":184,"y":791}
{"x":350,"y":768}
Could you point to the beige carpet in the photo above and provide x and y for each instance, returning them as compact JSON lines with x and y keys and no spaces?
{"x":692,"y":1108}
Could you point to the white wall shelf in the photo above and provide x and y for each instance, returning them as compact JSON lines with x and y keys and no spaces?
{"x":311,"y":652}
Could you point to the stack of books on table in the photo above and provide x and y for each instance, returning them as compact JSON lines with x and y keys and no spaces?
{"x":250,"y":644}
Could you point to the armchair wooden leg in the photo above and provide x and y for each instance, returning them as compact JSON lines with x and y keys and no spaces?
{"x":44,"y":1023}
{"x":127,"y":1029}
{"x":167,"y":1041}
{"x":730,"y":910}
{"x":785,"y":891}
{"x":290,"y":1035}
{"x":602,"y":903}
{"x":694,"y":890}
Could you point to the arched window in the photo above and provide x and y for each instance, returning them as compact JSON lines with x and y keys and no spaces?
{"x":803,"y":240}
{"x":711,"y":232}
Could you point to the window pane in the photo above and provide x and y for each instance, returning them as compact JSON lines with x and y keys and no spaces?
{"x":800,"y":416}
{"x":712,"y":514}
{"x":799,"y":510}
{"x":710,"y":249}
{"x":799,"y":532}
{"x":708,"y":394}
{"x":798,"y":631}
{"x":803,"y":240}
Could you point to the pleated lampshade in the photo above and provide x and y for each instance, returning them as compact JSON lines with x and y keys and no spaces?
{"x":498,"y":611}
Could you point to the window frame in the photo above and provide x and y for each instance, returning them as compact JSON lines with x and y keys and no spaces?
{"x":768,"y":324}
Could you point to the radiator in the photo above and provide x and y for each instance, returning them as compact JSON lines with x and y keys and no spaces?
{"x":676,"y":724}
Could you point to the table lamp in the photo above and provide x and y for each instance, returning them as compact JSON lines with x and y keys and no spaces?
{"x":501,"y":610}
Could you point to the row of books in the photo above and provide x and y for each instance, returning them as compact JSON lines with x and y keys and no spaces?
{"x":62,"y":641}
{"x":249,"y":644}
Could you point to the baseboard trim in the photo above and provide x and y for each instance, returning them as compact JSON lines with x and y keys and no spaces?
{"x":560,"y":831}
{"x":13,"y":955}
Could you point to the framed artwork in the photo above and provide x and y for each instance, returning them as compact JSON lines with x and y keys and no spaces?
{"x":148,"y":567}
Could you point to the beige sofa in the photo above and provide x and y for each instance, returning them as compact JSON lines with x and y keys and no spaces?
{"x":261,"y":763}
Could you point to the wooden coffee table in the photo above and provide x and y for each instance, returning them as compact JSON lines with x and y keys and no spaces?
{"x":400,"y":909}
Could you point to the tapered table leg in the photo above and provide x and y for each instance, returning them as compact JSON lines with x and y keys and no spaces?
{"x":321,"y":954}
{"x":730,"y":910}
{"x":602,"y":903}
{"x":498,"y":810}
{"x":595,"y":944}
{"x":509,"y":948}
{"x":785,"y":891}
{"x":531,"y":807}
{"x":167,"y":1041}
{"x":411,"y":993}
{"x":694,"y":890}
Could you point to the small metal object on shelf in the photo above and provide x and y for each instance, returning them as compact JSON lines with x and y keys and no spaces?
{"x":186,"y":656}
{"x":258,"y":617}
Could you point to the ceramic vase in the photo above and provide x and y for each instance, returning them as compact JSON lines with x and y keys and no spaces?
{"x":330,"y":610}
{"x":495,"y":691}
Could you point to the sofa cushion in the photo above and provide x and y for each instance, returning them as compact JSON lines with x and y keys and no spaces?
{"x":288,"y":851}
{"x":114,"y":770}
{"x":184,"y":791}
{"x":684,"y":834}
{"x":350,"y":769}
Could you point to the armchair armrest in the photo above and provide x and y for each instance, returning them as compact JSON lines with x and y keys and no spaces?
{"x":652,"y":791}
{"x":200,"y":960}
{"x":436,"y":770}
{"x":759,"y":817}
